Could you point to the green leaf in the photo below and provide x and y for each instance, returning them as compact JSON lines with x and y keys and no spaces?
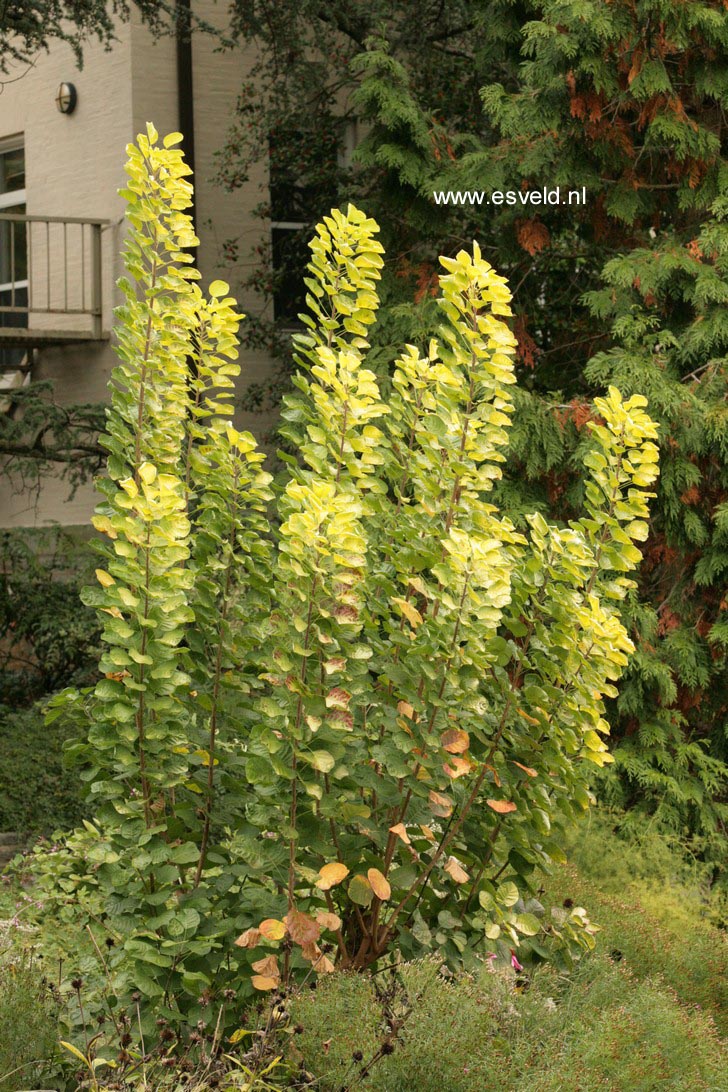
{"x":360,"y":890}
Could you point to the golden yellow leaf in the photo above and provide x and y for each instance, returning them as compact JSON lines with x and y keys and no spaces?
{"x":380,"y":884}
{"x":401,"y":831}
{"x":262,"y":982}
{"x":405,"y":709}
{"x":104,"y":578}
{"x":272,"y":929}
{"x":503,"y":807}
{"x":427,"y":833}
{"x":411,"y":613}
{"x":526,"y":716}
{"x":331,"y":875}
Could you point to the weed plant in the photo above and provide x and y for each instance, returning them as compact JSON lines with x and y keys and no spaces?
{"x":28,"y":1024}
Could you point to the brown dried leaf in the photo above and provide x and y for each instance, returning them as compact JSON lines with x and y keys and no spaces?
{"x":405,"y":709}
{"x":268,"y":967}
{"x":533,"y":236}
{"x":301,"y":928}
{"x":440,"y":804}
{"x":311,"y":952}
{"x":526,"y":769}
{"x":323,"y":965}
{"x":248,"y":939}
{"x":338,"y":698}
{"x":456,"y":870}
{"x":342,"y":719}
{"x":458,"y":767}
{"x":328,"y":921}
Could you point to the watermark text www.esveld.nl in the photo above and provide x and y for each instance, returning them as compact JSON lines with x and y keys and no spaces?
{"x":545,"y":196}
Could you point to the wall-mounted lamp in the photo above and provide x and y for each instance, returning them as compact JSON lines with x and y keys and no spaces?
{"x":66,"y":98}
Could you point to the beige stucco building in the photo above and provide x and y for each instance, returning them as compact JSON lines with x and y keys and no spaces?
{"x":58,"y":274}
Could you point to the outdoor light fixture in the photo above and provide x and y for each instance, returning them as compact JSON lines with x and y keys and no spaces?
{"x":66,"y":98}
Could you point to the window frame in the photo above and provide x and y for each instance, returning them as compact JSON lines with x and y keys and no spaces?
{"x":14,"y":143}
{"x":14,"y":198}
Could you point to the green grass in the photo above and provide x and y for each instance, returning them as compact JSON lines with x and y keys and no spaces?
{"x":602,"y":1029}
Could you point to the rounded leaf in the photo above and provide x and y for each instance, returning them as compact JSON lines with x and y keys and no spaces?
{"x":455,"y":741}
{"x":267,"y":966}
{"x":331,"y":875}
{"x":272,"y":929}
{"x":301,"y":928}
{"x":263,"y":982}
{"x":360,"y":891}
{"x":328,"y":921}
{"x":380,"y":884}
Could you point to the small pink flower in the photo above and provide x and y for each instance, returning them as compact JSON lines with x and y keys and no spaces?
{"x":514,"y":962}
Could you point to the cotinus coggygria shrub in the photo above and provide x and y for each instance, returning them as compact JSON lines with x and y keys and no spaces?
{"x":351,"y":712}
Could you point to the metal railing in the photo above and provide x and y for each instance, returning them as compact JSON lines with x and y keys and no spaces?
{"x":50,"y":265}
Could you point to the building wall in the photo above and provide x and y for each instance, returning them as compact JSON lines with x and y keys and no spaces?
{"x":74,"y":167}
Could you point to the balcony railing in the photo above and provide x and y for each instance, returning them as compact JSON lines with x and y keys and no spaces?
{"x":50,"y":280}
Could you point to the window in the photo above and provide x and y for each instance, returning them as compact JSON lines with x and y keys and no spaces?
{"x":13,"y":247}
